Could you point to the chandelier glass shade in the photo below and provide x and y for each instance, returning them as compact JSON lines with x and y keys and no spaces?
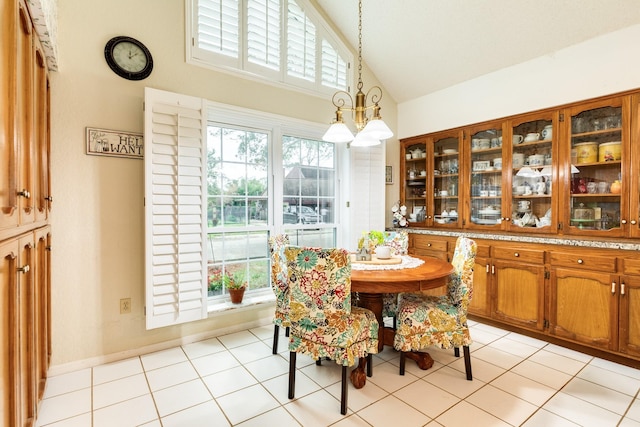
{"x":369,"y":130}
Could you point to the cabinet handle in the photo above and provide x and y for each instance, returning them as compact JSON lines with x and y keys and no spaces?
{"x":580,"y":261}
{"x":622,"y":288}
{"x":487,"y":268}
{"x":428,"y":245}
{"x":623,"y":221}
{"x":49,"y":198}
{"x":516,"y":254}
{"x":613,"y":287}
{"x":24,"y":269}
{"x":493,"y":269}
{"x":24,"y":193}
{"x":633,"y":222}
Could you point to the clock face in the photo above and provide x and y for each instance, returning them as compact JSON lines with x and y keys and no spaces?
{"x":128,"y":58}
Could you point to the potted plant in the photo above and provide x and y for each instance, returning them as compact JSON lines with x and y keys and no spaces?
{"x":236,"y":288}
{"x":374,"y":239}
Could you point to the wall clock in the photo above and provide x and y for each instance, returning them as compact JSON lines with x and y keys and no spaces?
{"x":128,"y":58}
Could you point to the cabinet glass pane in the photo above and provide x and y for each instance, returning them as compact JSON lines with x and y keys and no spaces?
{"x":445,"y":179}
{"x":531,"y":184}
{"x":596,"y":137}
{"x":416,"y":180}
{"x":486,"y":177}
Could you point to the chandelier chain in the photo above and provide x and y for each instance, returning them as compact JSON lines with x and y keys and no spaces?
{"x":360,"y":45}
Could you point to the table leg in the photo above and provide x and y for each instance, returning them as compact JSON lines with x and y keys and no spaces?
{"x":358,"y":375}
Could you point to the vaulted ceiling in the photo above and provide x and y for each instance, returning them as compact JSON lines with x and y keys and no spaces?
{"x":416,"y":47}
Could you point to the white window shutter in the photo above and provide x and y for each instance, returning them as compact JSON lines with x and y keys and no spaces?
{"x":367,"y":205}
{"x":175,"y":209}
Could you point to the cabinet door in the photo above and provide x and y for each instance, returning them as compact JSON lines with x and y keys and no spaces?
{"x":634,"y":170}
{"x":413,"y":177}
{"x":484,"y":185}
{"x":445,"y":206}
{"x":27,"y":308}
{"x":480,"y":301}
{"x":532,"y":150}
{"x":584,"y":308}
{"x":40,"y":164}
{"x":630,"y":315}
{"x":42,"y":276}
{"x":596,"y":195}
{"x":24,"y":117}
{"x":9,"y":334}
{"x":518,"y":292}
{"x":8,"y":146}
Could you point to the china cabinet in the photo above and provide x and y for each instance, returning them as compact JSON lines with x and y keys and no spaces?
{"x":413,"y":173}
{"x":445,"y":208}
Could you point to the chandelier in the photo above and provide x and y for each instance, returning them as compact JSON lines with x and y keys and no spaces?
{"x":370,"y":131}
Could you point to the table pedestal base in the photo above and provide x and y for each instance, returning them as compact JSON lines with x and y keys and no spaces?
{"x":423,"y":360}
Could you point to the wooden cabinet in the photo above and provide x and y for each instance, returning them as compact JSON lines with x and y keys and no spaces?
{"x":518,"y":286}
{"x":570,"y":170}
{"x":24,"y":131}
{"x":25,"y":236}
{"x":481,"y":299}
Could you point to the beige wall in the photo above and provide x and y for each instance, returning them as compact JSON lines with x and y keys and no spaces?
{"x":98,"y":212}
{"x":596,"y":67}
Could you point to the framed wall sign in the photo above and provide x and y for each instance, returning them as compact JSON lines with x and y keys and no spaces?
{"x":114,"y":143}
{"x":388,"y":175}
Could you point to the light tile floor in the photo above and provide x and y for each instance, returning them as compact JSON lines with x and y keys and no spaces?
{"x":235,"y":380}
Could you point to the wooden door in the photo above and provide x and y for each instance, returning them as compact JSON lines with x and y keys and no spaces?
{"x":27,"y":347}
{"x":9,"y":334}
{"x":634,"y":169}
{"x":630,"y":315}
{"x":518,"y":294}
{"x":584,"y":307}
{"x":481,"y":298}
{"x":42,"y":276}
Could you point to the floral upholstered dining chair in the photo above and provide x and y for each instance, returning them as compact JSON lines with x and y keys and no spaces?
{"x":398,"y":241}
{"x":280,"y":286}
{"x":323,"y":322}
{"x":425,"y":320}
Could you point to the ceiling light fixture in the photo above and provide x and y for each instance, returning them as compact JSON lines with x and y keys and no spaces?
{"x":370,"y":131}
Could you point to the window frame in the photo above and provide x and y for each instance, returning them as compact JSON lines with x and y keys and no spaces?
{"x":241,"y":66}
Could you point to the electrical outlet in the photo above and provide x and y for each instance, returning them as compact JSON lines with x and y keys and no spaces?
{"x":125,"y":305}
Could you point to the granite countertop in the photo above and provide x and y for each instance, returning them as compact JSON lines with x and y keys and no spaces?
{"x":622,"y":244}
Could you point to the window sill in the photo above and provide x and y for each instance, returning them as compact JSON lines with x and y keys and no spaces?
{"x":221,"y":306}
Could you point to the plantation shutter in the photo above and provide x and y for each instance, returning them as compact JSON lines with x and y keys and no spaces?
{"x":301,"y":47}
{"x":334,"y":68}
{"x":263,"y":33}
{"x":367,"y":208}
{"x":175,"y":209}
{"x":218,"y":26}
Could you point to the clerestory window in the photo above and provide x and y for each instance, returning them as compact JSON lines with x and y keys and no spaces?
{"x":283,"y":41}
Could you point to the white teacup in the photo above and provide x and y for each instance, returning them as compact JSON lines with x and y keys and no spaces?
{"x":383,"y":252}
{"x":517,"y":139}
{"x":518,"y":160}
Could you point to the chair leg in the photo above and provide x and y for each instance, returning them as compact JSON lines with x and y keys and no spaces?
{"x":286,"y":331}
{"x":344,"y":392}
{"x":402,"y":362}
{"x":395,"y":323}
{"x":292,"y":374}
{"x":467,"y":362}
{"x":369,"y":365}
{"x":319,"y":361}
{"x":276,"y":330}
{"x":456,"y":351}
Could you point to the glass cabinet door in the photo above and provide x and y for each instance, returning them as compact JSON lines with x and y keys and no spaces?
{"x":634,"y":170}
{"x":486,"y":177}
{"x":446,"y":167}
{"x":414,"y":174}
{"x":596,"y":190}
{"x":533,"y":152}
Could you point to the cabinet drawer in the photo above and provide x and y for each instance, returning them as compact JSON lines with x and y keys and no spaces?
{"x":584,"y":260}
{"x":534,"y":256}
{"x":630,"y":266}
{"x":424,"y":242}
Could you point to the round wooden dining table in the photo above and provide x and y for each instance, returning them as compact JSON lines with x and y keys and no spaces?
{"x":371,"y":284}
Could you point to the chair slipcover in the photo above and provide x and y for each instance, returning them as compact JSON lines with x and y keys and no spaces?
{"x":425,"y":320}
{"x":279,"y":284}
{"x":323,"y":323}
{"x":398,"y":241}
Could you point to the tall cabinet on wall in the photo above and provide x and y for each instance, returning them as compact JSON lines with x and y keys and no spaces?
{"x":25,"y":202}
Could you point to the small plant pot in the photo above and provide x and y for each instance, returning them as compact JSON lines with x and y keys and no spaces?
{"x":236,"y":295}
